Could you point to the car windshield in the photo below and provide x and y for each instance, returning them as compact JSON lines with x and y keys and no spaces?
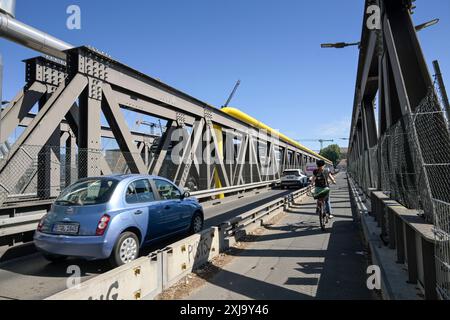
{"x":88,"y":192}
{"x":291,"y":173}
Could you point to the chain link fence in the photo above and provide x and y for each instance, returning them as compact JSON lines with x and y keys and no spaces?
{"x":41,"y":172}
{"x":411,"y":164}
{"x":34,"y":173}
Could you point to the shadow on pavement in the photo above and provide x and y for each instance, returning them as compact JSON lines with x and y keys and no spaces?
{"x":340,"y":273}
{"x":252,"y":288}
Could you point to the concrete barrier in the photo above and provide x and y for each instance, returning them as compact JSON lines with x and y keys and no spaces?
{"x":134,"y":281}
{"x":404,"y":231}
{"x":240,"y":226}
{"x":183,"y":257}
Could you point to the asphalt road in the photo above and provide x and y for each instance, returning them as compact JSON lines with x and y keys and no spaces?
{"x":31,"y":277}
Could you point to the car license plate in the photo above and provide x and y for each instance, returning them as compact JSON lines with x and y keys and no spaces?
{"x":66,"y":228}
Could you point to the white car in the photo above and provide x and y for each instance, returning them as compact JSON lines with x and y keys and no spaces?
{"x":293,"y":178}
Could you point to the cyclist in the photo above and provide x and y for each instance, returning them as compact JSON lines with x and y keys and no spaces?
{"x":320,"y":180}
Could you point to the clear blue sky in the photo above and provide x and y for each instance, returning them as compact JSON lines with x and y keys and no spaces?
{"x":203,"y":46}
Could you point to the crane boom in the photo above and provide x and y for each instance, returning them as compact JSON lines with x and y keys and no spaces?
{"x":318,"y":140}
{"x":232,"y":94}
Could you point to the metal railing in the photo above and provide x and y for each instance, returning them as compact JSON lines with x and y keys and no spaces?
{"x":204,"y":194}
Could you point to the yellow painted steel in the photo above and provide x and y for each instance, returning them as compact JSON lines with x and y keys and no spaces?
{"x":219,"y":135}
{"x":238,"y":114}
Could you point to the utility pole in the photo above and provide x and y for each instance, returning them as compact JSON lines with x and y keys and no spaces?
{"x":441,"y":85}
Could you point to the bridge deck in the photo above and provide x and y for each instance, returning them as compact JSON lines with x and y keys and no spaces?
{"x":294,"y":259}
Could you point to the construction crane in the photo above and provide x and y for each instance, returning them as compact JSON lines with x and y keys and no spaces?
{"x":317,"y":140}
{"x":232,"y":94}
{"x":151,"y":125}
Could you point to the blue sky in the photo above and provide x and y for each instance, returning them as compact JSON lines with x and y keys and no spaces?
{"x":203,"y":46}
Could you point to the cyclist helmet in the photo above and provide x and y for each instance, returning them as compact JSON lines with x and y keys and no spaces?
{"x":320,"y":163}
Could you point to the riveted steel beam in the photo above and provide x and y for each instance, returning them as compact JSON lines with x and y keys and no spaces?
{"x":40,"y":130}
{"x":116,"y":120}
{"x":18,"y":109}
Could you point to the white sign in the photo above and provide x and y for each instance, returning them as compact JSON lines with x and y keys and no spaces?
{"x":309,"y":168}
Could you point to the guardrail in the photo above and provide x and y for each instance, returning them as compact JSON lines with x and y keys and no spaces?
{"x":215,"y":192}
{"x":404,"y":231}
{"x":21,"y":224}
{"x":27,"y":221}
{"x":148,"y":276}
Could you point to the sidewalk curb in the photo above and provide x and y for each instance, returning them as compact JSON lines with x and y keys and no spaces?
{"x":373,"y":243}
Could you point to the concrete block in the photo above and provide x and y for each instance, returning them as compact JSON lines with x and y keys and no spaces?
{"x":185,"y":256}
{"x":134,"y":281}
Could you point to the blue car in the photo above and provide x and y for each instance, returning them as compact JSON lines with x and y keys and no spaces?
{"x":112,"y":217}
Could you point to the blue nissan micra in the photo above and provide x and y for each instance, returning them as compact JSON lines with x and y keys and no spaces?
{"x":112,"y":217}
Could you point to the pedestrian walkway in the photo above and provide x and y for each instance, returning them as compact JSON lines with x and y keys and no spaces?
{"x":294,"y":259}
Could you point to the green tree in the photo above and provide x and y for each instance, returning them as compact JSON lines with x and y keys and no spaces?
{"x":332,"y":153}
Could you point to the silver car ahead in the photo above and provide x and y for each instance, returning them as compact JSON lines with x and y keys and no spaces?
{"x":293,"y":178}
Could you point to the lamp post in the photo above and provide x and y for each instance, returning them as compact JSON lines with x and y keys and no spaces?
{"x":426,"y":24}
{"x":340,"y":45}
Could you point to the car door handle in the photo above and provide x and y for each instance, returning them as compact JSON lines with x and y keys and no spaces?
{"x":166,"y":207}
{"x":138,"y":212}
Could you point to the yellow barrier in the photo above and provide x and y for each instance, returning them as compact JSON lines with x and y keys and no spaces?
{"x":219,"y":135}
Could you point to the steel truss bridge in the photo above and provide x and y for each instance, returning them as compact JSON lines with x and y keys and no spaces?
{"x":74,"y":86}
{"x":399,"y":165}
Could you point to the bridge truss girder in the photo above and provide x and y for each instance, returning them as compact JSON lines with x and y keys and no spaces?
{"x":73,"y":95}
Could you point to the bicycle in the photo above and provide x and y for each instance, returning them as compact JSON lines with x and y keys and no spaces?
{"x":320,"y":209}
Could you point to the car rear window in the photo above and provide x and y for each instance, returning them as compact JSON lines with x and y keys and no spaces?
{"x":88,"y":192}
{"x":291,"y":173}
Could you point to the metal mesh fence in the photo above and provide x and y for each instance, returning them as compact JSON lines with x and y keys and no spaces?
{"x":414,"y":163}
{"x":433,"y":142}
{"x":442,"y":249}
{"x":41,"y":172}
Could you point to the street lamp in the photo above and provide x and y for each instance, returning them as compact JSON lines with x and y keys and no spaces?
{"x":426,"y":24}
{"x":339,"y":45}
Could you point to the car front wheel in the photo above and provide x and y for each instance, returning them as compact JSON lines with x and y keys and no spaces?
{"x":125,"y":250}
{"x":196,"y":223}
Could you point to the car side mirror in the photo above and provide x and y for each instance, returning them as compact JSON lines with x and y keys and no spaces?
{"x":186,"y":195}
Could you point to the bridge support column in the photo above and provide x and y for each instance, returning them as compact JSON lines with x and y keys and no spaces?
{"x":89,"y":141}
{"x":48,"y":163}
{"x":70,"y":165}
